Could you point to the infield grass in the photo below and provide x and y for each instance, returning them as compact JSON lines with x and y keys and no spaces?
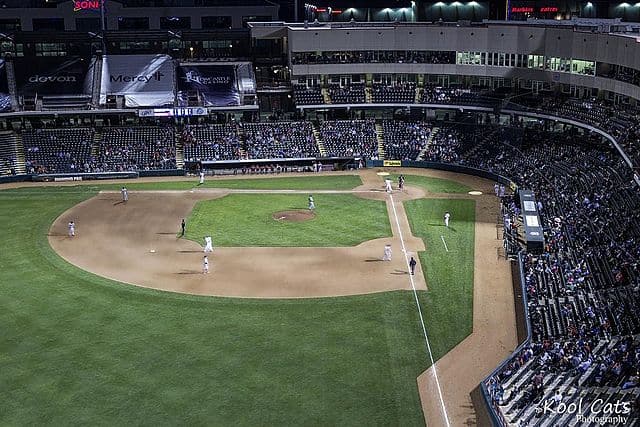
{"x":448,"y":305}
{"x":79,"y":349}
{"x":247,"y":220}
{"x":431,"y":184}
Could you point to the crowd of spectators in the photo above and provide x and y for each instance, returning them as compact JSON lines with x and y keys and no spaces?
{"x":404,"y":140}
{"x":135,"y":148}
{"x":583,"y":291}
{"x":211,"y":142}
{"x":280,"y":140}
{"x":346,"y":138}
{"x":57,"y":150}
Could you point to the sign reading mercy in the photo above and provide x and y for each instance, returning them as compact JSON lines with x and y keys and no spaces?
{"x":79,"y":5}
{"x":143,"y":80}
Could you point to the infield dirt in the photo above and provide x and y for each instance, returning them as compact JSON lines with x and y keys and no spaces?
{"x":114,"y":240}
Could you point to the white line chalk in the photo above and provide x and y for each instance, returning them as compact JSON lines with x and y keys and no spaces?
{"x":445,"y":243}
{"x":424,"y":328}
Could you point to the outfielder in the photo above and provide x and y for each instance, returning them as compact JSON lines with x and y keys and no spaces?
{"x":208,"y":244}
{"x":312,"y":204}
{"x":125,"y":194}
{"x":201,"y":177}
{"x":447,"y":216}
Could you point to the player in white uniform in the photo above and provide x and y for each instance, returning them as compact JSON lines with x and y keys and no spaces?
{"x":205,"y":265}
{"x":387,"y":183}
{"x":72,"y":228}
{"x":201,"y":177}
{"x":387,"y":253}
{"x":125,"y":194}
{"x":447,"y":216}
{"x":208,"y":244}
{"x":312,"y":204}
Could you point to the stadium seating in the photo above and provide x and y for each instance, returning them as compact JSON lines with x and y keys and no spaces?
{"x":303,"y":95}
{"x":351,"y":94}
{"x":346,"y":138}
{"x":404,"y":140}
{"x":136,"y":149}
{"x":280,"y":140}
{"x":8,"y":154}
{"x":58,"y":150}
{"x":400,"y":93}
{"x":211,"y":142}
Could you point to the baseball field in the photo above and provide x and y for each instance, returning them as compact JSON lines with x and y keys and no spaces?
{"x":298,"y":322}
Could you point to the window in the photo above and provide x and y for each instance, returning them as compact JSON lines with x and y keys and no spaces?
{"x":175,"y":23}
{"x":535,"y":61}
{"x":88,"y":24}
{"x":212,"y":22}
{"x":133,"y":23}
{"x":10,"y":24}
{"x":48,"y":24}
{"x":51,"y":49}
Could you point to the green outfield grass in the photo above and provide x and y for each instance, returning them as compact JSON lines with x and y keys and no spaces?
{"x":319,"y":182}
{"x":433,"y":185}
{"x":247,"y":220}
{"x":79,"y":349}
{"x":448,"y":305}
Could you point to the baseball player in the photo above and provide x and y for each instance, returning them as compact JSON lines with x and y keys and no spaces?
{"x":387,"y":253}
{"x":401,"y":182}
{"x":208,"y":244}
{"x":72,"y":228}
{"x":125,"y":194}
{"x":312,"y":204}
{"x":201,"y":177}
{"x":447,"y":216}
{"x":387,"y":183}
{"x":183,"y":225}
{"x":205,"y":265}
{"x":496,"y":189}
{"x":501,"y":190}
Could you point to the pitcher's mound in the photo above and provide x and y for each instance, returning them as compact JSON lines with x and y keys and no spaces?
{"x":294,"y":216}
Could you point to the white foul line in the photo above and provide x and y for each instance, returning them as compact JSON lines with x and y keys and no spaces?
{"x":424,"y":328}
{"x":445,"y":243}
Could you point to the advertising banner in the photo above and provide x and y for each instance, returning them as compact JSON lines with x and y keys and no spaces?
{"x":215,"y":83}
{"x":143,"y":80}
{"x":52,"y":76}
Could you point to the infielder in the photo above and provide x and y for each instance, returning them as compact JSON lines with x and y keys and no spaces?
{"x":388,"y":185}
{"x":125,"y":194}
{"x":387,"y":253}
{"x":205,"y":265}
{"x":72,"y":228}
{"x":312,"y":204}
{"x":208,"y":244}
{"x":447,"y":216}
{"x":201,"y":177}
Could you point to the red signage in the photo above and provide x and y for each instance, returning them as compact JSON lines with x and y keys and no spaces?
{"x":521,"y":10}
{"x":86,"y":5}
{"x":548,"y":9}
